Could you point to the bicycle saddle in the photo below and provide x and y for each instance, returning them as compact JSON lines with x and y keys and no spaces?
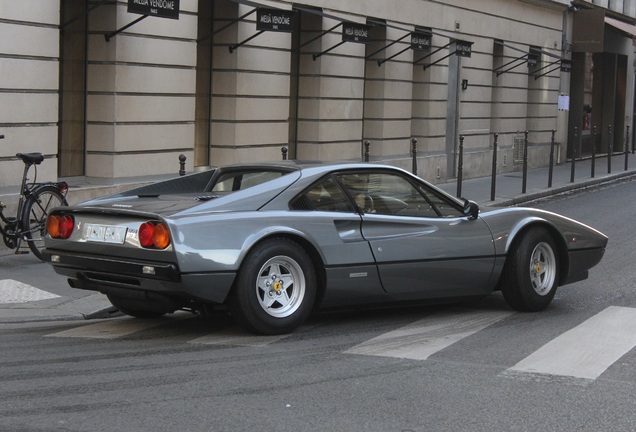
{"x":33,"y":158}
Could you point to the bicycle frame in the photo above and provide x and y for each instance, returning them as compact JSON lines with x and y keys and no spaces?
{"x":15,"y":232}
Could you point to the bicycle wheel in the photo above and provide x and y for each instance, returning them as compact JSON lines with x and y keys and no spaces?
{"x":36,"y":209}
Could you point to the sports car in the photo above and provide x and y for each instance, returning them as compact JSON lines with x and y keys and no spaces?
{"x":271,"y":243}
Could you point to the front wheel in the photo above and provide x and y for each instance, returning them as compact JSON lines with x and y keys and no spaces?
{"x":531,"y":273}
{"x":275,"y":288}
{"x":36,"y":209}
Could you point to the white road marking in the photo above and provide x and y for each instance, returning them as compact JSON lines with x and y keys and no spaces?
{"x":111,"y":329}
{"x":236,"y":336}
{"x":12,"y":291}
{"x":423,"y":338}
{"x":588,"y":349}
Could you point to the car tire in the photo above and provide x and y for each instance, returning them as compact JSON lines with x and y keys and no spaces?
{"x":275,"y":289}
{"x":531,"y":273}
{"x":132,"y":308}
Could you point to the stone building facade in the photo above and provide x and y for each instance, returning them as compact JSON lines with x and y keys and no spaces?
{"x":109,"y":94}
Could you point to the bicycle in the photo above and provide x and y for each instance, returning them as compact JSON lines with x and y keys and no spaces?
{"x":35,"y":203}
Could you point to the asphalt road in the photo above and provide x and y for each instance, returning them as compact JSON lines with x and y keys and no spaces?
{"x":467,"y":367}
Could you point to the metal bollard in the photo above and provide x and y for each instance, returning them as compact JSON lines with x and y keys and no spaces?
{"x":367,"y":146}
{"x":284,"y":151}
{"x":573,"y":162}
{"x":493,"y":182}
{"x":414,"y":152}
{"x":460,"y":166}
{"x":593,"y":151}
{"x":610,"y":149}
{"x":627,"y":150}
{"x":551,"y":159}
{"x":182,"y":160}
{"x":525,"y":163}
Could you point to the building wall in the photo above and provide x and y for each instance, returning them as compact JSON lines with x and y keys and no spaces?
{"x":141,"y":95}
{"x":29,"y":80}
{"x":141,"y":92}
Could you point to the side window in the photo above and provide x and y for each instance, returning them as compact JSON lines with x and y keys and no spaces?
{"x":325,"y":196}
{"x":445,"y":209}
{"x":393,"y":194}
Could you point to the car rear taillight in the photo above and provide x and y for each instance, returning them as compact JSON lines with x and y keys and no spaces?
{"x":60,"y":226}
{"x":154,"y":235}
{"x":161,"y":239}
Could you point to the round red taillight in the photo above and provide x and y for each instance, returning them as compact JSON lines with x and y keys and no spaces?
{"x":60,"y":226}
{"x":66,"y":225}
{"x":146,"y":234}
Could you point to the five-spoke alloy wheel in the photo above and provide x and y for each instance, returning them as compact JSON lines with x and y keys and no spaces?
{"x":531,"y":273}
{"x":275,"y":288}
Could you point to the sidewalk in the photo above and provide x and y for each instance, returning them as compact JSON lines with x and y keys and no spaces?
{"x":31,"y":291}
{"x":509,"y":186}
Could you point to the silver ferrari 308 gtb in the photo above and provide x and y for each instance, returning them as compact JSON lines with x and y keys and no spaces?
{"x":272,"y":242}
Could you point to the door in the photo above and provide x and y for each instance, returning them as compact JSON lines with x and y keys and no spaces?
{"x":423,"y":244}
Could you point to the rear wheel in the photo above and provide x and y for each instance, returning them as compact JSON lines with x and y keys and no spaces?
{"x":530,"y":277}
{"x":36,"y":208}
{"x":275,"y":288}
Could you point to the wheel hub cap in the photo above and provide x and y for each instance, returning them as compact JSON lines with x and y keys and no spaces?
{"x":280,"y":286}
{"x":542,"y":269}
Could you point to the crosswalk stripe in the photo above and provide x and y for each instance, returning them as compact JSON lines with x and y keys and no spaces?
{"x":236,"y":336}
{"x":423,"y":338}
{"x":110,"y":329}
{"x":588,"y":349}
{"x":12,"y":291}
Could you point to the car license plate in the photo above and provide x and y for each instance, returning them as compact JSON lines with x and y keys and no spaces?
{"x":106,"y":233}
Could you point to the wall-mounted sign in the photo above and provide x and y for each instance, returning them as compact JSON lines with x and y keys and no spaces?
{"x":533,"y":57}
{"x":354,"y":32}
{"x":463,"y":48}
{"x":566,"y":65}
{"x":158,"y":8}
{"x":421,"y":41}
{"x":277,"y":20}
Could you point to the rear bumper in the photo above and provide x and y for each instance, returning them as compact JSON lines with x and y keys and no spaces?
{"x":135,"y":278}
{"x":580,"y":262}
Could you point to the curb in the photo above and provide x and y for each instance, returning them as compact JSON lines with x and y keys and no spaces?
{"x":534,"y":196}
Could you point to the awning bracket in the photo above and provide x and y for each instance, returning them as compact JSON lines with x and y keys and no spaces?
{"x":432,"y":53}
{"x":536,"y":77}
{"x":547,"y":66}
{"x":426,"y":66}
{"x":380,"y":62}
{"x":522,"y":60}
{"x":388,"y":46}
{"x":320,"y":35}
{"x":315,"y":56}
{"x":84,"y":14}
{"x":109,"y":36}
{"x":232,"y":48}
{"x":228,"y":25}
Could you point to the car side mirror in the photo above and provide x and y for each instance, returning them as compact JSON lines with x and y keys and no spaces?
{"x":471,"y":209}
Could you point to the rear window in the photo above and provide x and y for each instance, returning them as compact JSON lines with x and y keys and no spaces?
{"x":240,"y":180}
